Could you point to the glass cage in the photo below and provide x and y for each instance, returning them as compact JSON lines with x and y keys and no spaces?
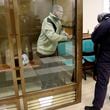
{"x":39,"y":82}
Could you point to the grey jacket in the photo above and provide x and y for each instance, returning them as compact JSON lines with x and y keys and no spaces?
{"x":49,"y":38}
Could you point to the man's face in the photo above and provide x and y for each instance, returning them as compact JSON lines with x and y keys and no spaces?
{"x":59,"y":13}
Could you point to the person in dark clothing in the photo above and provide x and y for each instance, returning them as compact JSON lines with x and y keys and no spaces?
{"x":101,"y":36}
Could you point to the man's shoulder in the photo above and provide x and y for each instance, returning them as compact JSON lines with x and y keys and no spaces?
{"x":45,"y":19}
{"x":105,"y":24}
{"x":107,"y":21}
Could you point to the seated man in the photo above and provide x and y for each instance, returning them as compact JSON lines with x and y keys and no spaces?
{"x":51,"y":33}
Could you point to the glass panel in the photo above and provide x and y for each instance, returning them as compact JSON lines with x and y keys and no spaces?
{"x":4,"y":44}
{"x":6,"y":81}
{"x":51,"y":71}
{"x":6,"y":85}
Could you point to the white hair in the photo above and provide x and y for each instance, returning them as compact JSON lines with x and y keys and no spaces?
{"x":56,"y":8}
{"x":100,"y":16}
{"x":103,"y":16}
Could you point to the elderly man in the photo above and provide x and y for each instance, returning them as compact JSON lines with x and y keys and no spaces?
{"x":101,"y":36}
{"x":51,"y":33}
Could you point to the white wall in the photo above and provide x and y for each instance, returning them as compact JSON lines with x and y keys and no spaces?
{"x":91,"y":8}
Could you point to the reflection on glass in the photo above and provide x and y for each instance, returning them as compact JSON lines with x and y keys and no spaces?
{"x":51,"y":72}
{"x":6,"y":81}
{"x":4,"y":43}
{"x":55,"y":71}
{"x":6,"y":85}
{"x":44,"y":73}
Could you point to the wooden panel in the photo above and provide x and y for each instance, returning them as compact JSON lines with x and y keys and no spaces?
{"x":53,"y":98}
{"x":10,"y":104}
{"x":86,"y":35}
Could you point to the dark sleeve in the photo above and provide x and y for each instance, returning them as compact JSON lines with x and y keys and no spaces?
{"x":100,"y":32}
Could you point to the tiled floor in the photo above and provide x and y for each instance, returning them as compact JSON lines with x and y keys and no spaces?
{"x":87,"y":96}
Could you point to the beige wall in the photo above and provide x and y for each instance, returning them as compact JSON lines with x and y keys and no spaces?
{"x":91,"y":8}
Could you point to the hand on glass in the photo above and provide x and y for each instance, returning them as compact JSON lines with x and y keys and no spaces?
{"x":69,"y":36}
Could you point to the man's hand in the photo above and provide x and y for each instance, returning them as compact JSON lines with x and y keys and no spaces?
{"x":69,"y":36}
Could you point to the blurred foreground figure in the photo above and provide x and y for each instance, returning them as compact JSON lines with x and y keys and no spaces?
{"x":101,"y":36}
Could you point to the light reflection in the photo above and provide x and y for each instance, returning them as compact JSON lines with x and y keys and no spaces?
{"x":46,"y":101}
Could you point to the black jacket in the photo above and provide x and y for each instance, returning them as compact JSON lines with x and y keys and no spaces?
{"x":101,"y":35}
